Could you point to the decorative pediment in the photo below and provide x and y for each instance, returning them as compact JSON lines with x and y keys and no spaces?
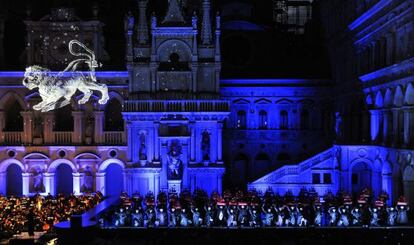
{"x":263,"y":101}
{"x":241,"y":101}
{"x":87,"y":156}
{"x":35,"y":157}
{"x":284,"y":102}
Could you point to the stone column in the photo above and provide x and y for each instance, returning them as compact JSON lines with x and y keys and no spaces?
{"x":48,"y":181}
{"x":219,"y":143}
{"x":219,"y":183}
{"x":127,"y":184}
{"x":48,"y":119}
{"x":192,"y":143}
{"x":76,"y":183}
{"x":375,"y":125}
{"x":2,"y":123}
{"x":77,"y":137}
{"x":3,"y":180}
{"x":27,"y":127}
{"x":387,"y":186}
{"x":26,"y":183}
{"x":365,"y":127}
{"x":100,"y":183}
{"x":194,"y":69}
{"x":129,"y":132}
{"x":408,"y":128}
{"x":206,"y":35}
{"x":156,"y":157}
{"x":156,"y":184}
{"x":99,"y":115}
{"x":387,"y":117}
{"x":396,"y":127}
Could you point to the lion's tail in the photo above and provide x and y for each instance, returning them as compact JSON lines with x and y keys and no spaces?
{"x":91,"y":54}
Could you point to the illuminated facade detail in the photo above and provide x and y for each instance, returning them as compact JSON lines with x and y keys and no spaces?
{"x":374,"y":84}
{"x":47,"y":39}
{"x":56,"y":91}
{"x":171,"y":123}
{"x":175,"y":101}
{"x":266,"y":128}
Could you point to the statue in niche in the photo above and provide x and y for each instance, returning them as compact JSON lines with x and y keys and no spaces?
{"x":142,"y":147}
{"x":37,"y":180}
{"x":205,"y":145}
{"x":87,"y":180}
{"x":153,"y":21}
{"x":338,"y":125}
{"x":194,"y":20}
{"x":174,"y":161}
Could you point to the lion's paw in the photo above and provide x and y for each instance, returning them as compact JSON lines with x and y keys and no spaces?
{"x":103,"y":101}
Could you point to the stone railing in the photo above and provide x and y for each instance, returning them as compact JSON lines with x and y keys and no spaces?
{"x":62,"y":137}
{"x":296,"y":169}
{"x":12,"y":137}
{"x":113,"y":137}
{"x":177,"y":106}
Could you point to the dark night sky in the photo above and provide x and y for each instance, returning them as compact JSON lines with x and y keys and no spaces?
{"x":270,"y":53}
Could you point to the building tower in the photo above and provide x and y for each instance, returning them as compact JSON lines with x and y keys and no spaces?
{"x":174,"y":114}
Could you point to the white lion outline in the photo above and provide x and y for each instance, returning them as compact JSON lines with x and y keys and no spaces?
{"x":56,"y":90}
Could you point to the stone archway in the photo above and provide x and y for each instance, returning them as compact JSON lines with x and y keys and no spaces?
{"x":64,"y":180}
{"x":60,"y":178}
{"x":408,"y":184}
{"x":10,"y":170}
{"x":110,"y":177}
{"x":361,"y":177}
{"x":14,"y":180}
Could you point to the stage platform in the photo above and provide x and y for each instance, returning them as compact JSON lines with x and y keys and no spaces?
{"x":252,"y":236}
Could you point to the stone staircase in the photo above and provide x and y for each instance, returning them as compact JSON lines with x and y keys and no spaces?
{"x":295,"y":177}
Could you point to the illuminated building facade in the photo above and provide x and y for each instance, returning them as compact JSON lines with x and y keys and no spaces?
{"x":173,"y":122}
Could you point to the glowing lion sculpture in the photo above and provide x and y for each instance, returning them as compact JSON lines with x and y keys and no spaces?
{"x":57,"y":90}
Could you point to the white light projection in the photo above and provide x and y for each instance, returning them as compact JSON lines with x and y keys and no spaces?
{"x":56,"y":90}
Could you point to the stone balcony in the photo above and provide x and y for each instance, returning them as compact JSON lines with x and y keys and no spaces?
{"x":13,"y":138}
{"x":177,"y":106}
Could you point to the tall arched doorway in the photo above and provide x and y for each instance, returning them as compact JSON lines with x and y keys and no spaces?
{"x":114,"y":180}
{"x":408,"y":184}
{"x":261,"y":165}
{"x":64,"y":179}
{"x":14,"y":181}
{"x":361,"y":177}
{"x":238,"y":171}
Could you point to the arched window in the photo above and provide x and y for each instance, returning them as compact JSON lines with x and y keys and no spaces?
{"x":113,"y":116}
{"x":241,"y":119}
{"x":284,"y":120}
{"x":262,"y":119}
{"x":239,"y":170}
{"x":14,"y":120}
{"x":174,"y":63}
{"x":262,"y":165}
{"x":283,"y":157}
{"x":63,"y":119}
{"x":304,"y":120}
